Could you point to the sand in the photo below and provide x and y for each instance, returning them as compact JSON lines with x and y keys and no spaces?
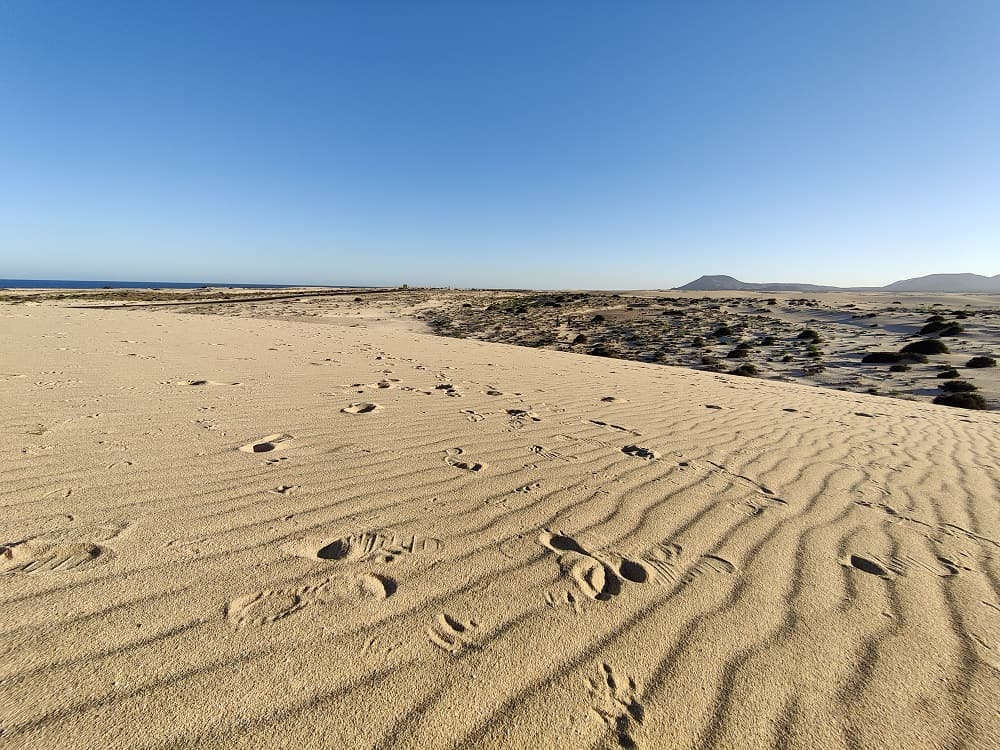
{"x":224,"y":531}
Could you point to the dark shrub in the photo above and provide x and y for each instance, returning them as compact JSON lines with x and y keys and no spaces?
{"x":580,"y":339}
{"x":698,"y":341}
{"x":768,"y":341}
{"x":738,"y":353}
{"x":602,"y":351}
{"x":925,"y":346}
{"x":899,"y":368}
{"x":935,"y":319}
{"x":744,"y":345}
{"x":597,"y":319}
{"x":981,"y":362}
{"x":808,"y":333}
{"x":787,"y":358}
{"x":722,"y":331}
{"x":948,"y":374}
{"x":747,"y":370}
{"x":882,"y":358}
{"x":958,"y":386}
{"x":934,"y":325}
{"x":962,"y":400}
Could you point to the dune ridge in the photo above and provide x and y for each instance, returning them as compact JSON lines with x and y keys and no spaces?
{"x":236,"y":532}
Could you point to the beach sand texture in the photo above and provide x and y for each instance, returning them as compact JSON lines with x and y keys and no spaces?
{"x":234,"y":532}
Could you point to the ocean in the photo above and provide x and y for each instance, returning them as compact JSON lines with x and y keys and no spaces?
{"x":77,"y":284}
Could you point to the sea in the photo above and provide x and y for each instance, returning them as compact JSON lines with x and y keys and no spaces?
{"x":78,"y":284}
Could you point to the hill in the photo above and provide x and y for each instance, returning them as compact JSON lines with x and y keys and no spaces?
{"x":938,"y":282}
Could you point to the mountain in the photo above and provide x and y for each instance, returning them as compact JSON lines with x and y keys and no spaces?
{"x":948,"y":282}
{"x":729,"y":284}
{"x":968,"y":283}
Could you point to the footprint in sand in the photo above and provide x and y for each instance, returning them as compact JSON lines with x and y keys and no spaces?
{"x":267,"y":444}
{"x":891,"y":567}
{"x":451,"y":458}
{"x":615,"y":701}
{"x":667,"y":561}
{"x":616,"y":427}
{"x":361,"y":408}
{"x":596,"y":578}
{"x":757,"y":506}
{"x":518,"y":418}
{"x":37,"y":556}
{"x":472,"y":416}
{"x":383,"y":546}
{"x":640,"y":452}
{"x":452,"y":635}
{"x":201,"y":383}
{"x":270,"y":605}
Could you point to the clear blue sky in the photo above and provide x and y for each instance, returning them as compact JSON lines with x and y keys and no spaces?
{"x":545,"y":144}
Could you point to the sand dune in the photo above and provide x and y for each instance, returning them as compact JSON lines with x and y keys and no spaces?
{"x":235,"y":532}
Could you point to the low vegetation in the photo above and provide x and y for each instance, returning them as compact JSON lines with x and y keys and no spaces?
{"x":961,"y":400}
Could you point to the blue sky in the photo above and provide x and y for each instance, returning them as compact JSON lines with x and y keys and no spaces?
{"x":536,"y":144}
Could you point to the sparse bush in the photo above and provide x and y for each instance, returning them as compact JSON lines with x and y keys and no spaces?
{"x":602,"y":351}
{"x":580,"y":339}
{"x":961,"y":400}
{"x":738,"y":353}
{"x":934,"y":325}
{"x":597,"y":319}
{"x":722,"y":331}
{"x":768,"y":341}
{"x":787,"y":358}
{"x":698,"y":341}
{"x":958,"y":386}
{"x":925,"y":346}
{"x":744,"y":345}
{"x":935,"y":319}
{"x":981,"y":362}
{"x":899,"y":368}
{"x":948,"y":374}
{"x":746,"y":370}
{"x":809,"y":334}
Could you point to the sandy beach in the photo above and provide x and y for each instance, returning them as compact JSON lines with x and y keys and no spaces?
{"x":225,"y":531}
